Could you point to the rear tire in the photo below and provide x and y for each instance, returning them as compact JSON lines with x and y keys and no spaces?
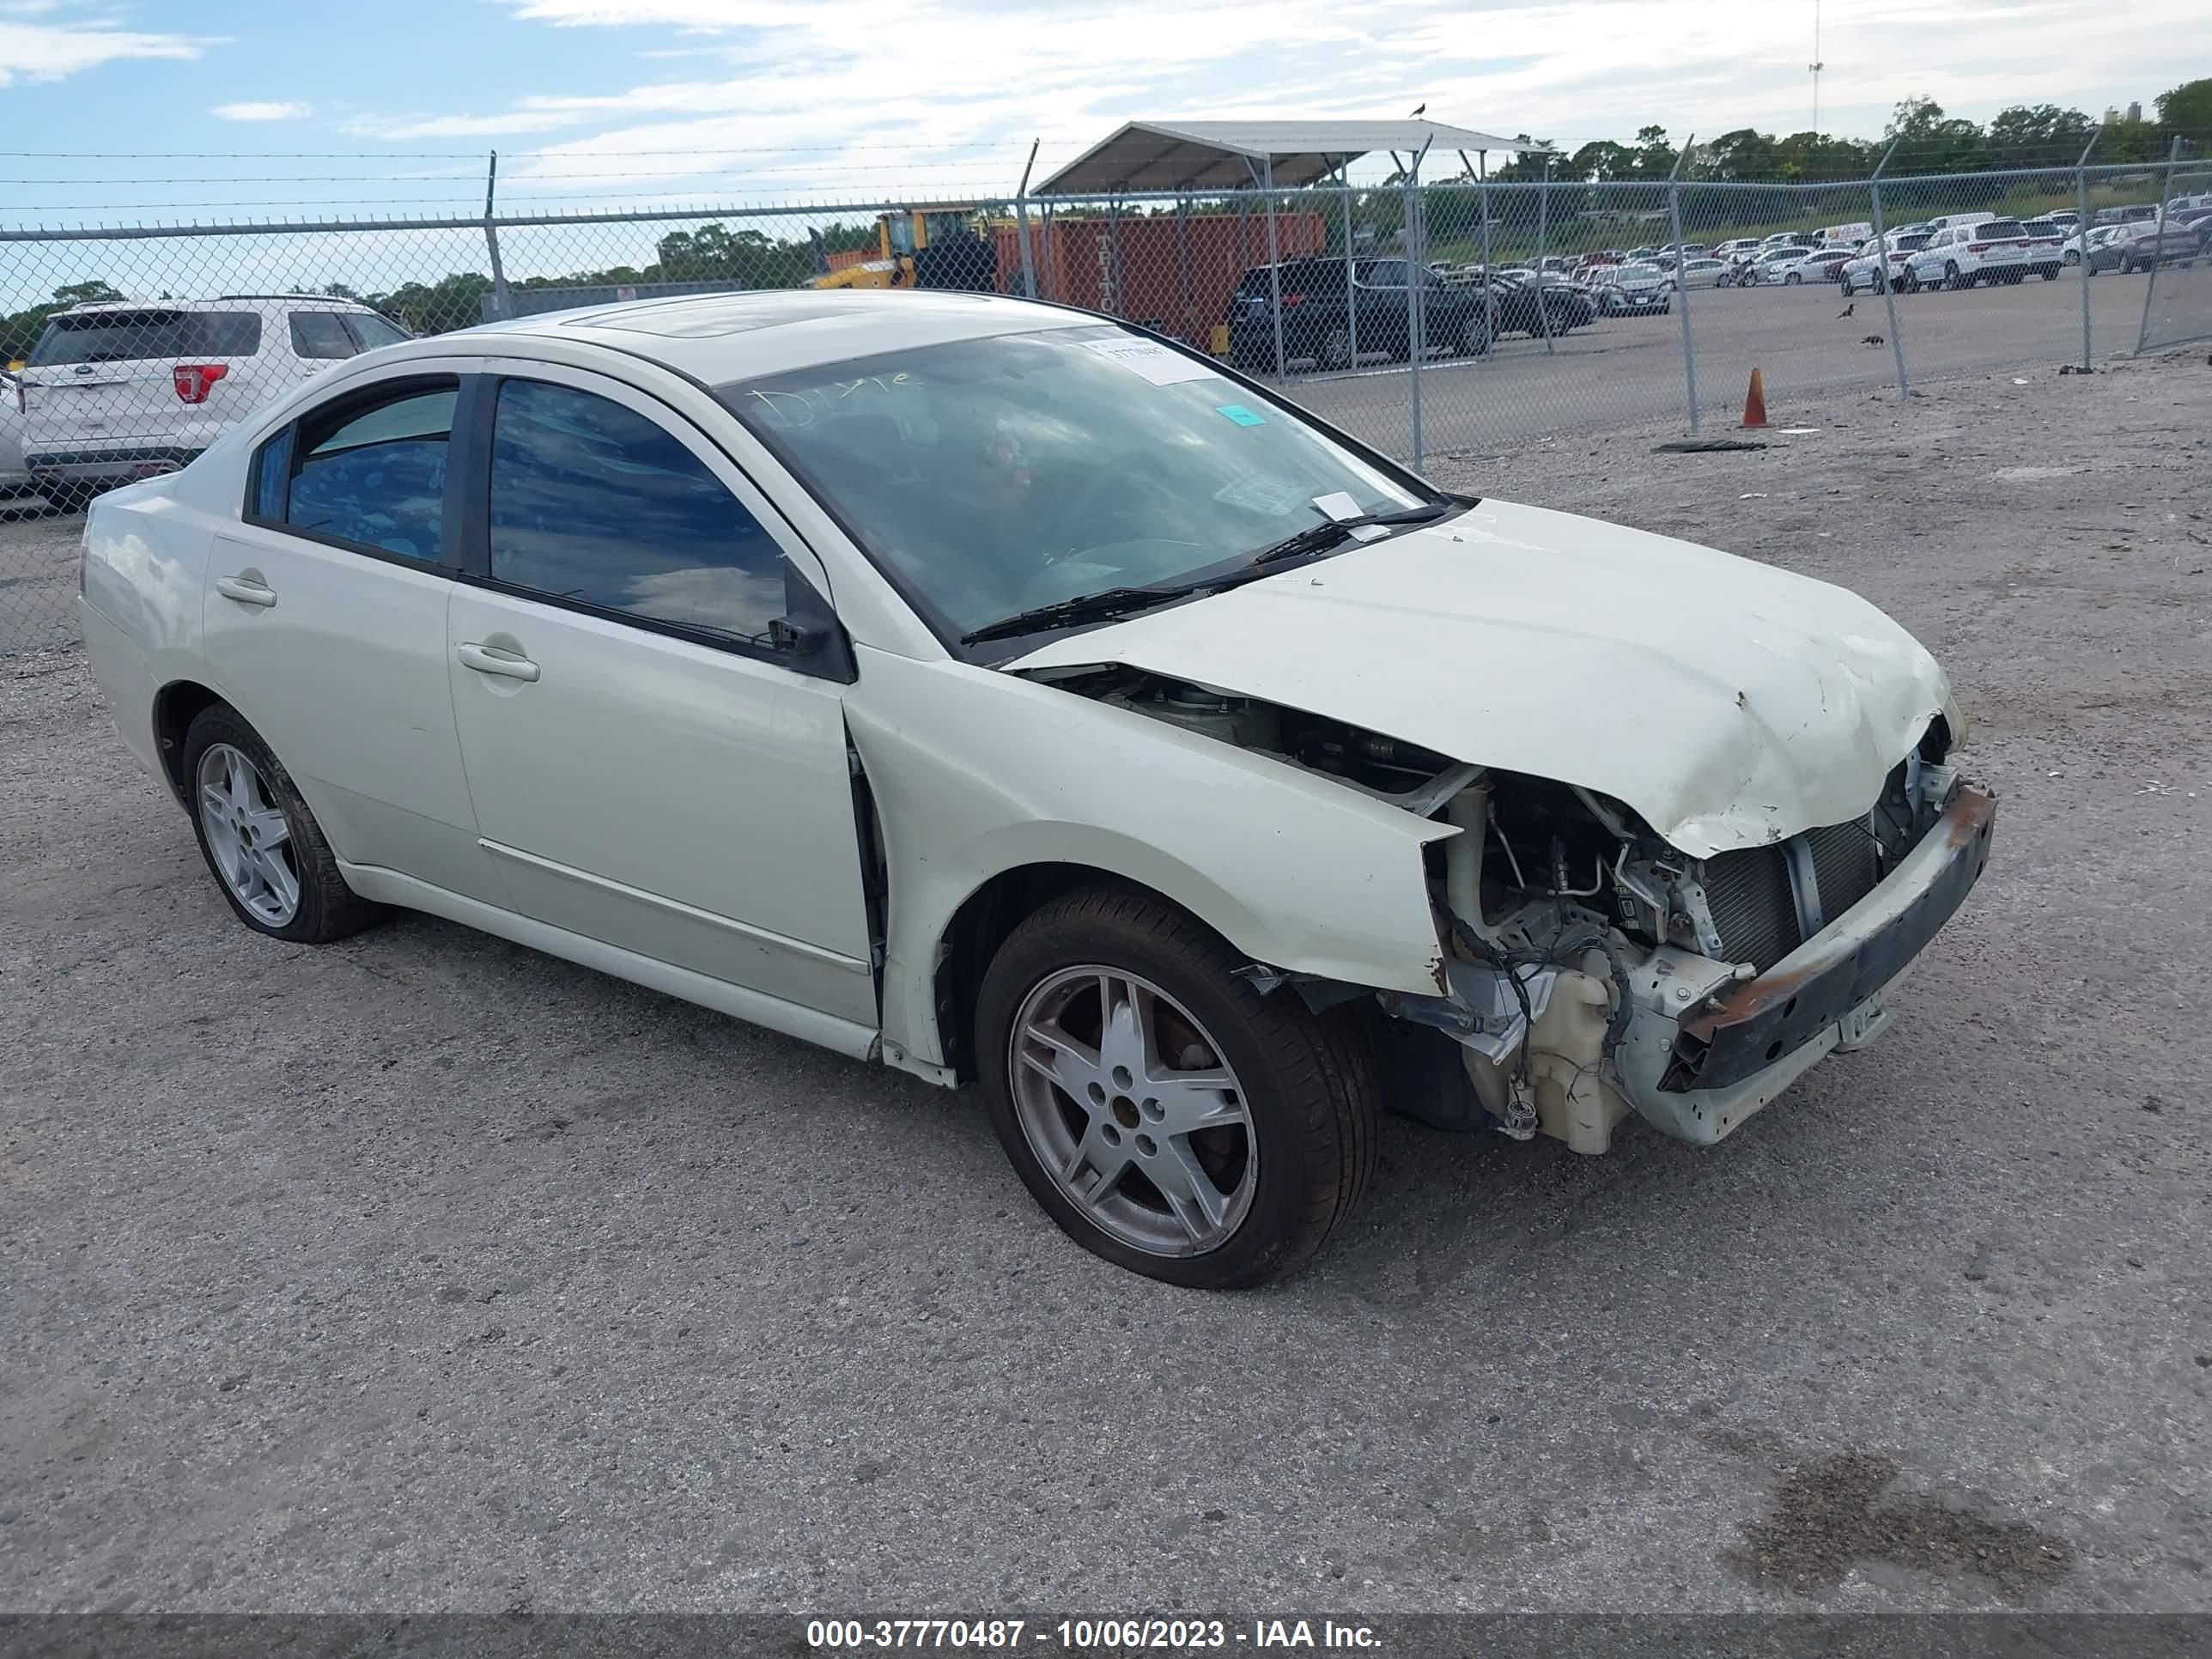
{"x":262,"y":845}
{"x":1120,"y":989}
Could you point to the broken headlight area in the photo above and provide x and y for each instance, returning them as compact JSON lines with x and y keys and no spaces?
{"x":1588,"y":967}
{"x":1593,"y":970}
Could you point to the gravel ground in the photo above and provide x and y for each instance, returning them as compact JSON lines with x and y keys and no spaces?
{"x":421,"y":1271}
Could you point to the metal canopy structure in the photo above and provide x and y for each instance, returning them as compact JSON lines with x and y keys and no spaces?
{"x":1189,"y":155}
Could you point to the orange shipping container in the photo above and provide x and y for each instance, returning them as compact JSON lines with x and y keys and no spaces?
{"x":1170,"y":273}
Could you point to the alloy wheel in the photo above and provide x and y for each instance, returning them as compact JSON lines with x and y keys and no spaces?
{"x":249,"y":839}
{"x":1133,"y":1111}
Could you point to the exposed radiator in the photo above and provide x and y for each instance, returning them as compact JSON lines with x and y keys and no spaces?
{"x":1753,"y":907}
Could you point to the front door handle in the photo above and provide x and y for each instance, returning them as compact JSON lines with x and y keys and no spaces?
{"x":489,"y":659}
{"x":246,"y":590}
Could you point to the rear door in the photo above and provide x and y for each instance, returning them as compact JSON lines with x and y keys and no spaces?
{"x":648,"y":768}
{"x":324,"y":623}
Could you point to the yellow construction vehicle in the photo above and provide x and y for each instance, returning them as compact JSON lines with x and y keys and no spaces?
{"x":962,"y":237}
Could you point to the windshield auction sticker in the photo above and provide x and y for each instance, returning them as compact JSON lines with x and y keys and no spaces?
{"x":1154,"y":362}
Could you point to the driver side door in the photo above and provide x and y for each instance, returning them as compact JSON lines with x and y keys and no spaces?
{"x":650,"y":769}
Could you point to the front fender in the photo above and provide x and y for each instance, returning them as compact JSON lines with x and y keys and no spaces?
{"x":976,"y":773}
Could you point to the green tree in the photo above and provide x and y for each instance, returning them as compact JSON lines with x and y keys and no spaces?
{"x":1928,"y":141}
{"x":2039,"y":135}
{"x":2187,"y":109}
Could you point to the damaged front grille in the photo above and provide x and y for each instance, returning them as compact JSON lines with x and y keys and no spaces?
{"x":1755,"y":906}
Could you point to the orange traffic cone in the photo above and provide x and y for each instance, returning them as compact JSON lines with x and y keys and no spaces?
{"x":1754,"y":402}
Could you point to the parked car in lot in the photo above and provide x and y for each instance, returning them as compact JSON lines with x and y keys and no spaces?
{"x":2046,"y":241}
{"x":1566,"y":306}
{"x":15,"y":476}
{"x":1962,"y":256}
{"x":122,"y":389}
{"x":1635,"y":288}
{"x":1322,"y":316}
{"x":1702,"y":272}
{"x":1775,"y":263}
{"x":2153,"y":242}
{"x":2106,"y":246}
{"x":2130,"y":213}
{"x":1862,"y":273}
{"x":1006,"y":695}
{"x":1820,"y":264}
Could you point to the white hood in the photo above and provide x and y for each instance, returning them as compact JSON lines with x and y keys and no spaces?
{"x":1729,"y":703}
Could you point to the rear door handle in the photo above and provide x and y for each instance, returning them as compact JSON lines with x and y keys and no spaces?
{"x":488,"y":660}
{"x":246,"y":590}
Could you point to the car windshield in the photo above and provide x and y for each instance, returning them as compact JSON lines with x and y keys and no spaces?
{"x":994,"y":476}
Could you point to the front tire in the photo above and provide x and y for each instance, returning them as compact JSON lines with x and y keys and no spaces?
{"x":1792,"y":279}
{"x":1168,"y":1116}
{"x":261,"y":843}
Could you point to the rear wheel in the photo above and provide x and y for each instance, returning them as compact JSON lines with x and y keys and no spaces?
{"x":1793,"y":279}
{"x":1954,"y":278}
{"x":261,"y":843}
{"x":1164,"y":1113}
{"x":1336,"y":350}
{"x":1474,"y":337}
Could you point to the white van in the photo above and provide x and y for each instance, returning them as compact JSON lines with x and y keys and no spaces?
{"x":1956,"y":221}
{"x":1850,"y":234}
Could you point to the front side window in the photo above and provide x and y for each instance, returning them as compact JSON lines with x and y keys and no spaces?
{"x":374,"y":474}
{"x":990,"y":477}
{"x":594,"y":503}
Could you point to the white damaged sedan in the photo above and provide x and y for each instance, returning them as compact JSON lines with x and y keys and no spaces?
{"x":993,"y":690}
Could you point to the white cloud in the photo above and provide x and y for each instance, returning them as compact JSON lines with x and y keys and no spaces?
{"x":777,"y":81}
{"x":262,"y":112}
{"x":51,"y":51}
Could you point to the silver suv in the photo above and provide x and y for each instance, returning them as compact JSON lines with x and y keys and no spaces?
{"x":124,"y":390}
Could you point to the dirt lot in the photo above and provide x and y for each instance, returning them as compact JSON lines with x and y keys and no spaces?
{"x":423,"y":1272}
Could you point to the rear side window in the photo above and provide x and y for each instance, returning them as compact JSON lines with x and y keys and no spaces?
{"x":321,"y":334}
{"x":592,"y":502}
{"x":137,"y":335}
{"x":369,"y":332}
{"x":375,"y":474}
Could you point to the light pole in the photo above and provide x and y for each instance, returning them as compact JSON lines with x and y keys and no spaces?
{"x":1816,"y":66}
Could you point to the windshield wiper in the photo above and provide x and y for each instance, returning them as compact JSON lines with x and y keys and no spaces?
{"x":1084,"y":607}
{"x":1314,"y":538}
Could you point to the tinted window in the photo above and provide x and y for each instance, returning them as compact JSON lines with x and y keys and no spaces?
{"x":320,"y":334}
{"x":120,"y":337}
{"x":272,"y":470}
{"x":1384,"y":273}
{"x":1999,"y":227}
{"x":376,"y":475}
{"x":592,"y":502}
{"x":369,"y":332}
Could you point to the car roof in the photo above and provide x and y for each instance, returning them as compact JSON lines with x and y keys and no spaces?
{"x":719,"y":337}
{"x":223,"y":302}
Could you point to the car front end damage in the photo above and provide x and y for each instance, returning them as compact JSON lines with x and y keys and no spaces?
{"x":1691,"y":991}
{"x":1588,"y":967}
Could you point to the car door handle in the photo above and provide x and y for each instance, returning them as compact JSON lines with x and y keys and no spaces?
{"x":246,"y":590}
{"x":487,"y":659}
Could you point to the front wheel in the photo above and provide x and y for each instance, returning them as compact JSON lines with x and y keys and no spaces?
{"x":1336,"y":349}
{"x":1793,"y":279}
{"x":1474,"y":337}
{"x":1166,"y":1115}
{"x":2072,"y":256}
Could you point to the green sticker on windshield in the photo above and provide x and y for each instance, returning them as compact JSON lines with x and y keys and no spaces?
{"x":1239,"y":413}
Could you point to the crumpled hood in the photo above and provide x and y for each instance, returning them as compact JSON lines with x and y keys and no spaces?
{"x":1729,"y":703}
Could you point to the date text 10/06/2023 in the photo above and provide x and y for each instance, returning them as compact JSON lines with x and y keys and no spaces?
{"x":1077,"y":1634}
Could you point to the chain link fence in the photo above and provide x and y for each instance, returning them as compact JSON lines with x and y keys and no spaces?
{"x":1446,"y":310}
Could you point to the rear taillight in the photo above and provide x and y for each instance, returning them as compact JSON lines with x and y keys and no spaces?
{"x":22,"y":398}
{"x":83,"y":552}
{"x":1977,"y":247}
{"x":1294,"y":298}
{"x":192,"y":381}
